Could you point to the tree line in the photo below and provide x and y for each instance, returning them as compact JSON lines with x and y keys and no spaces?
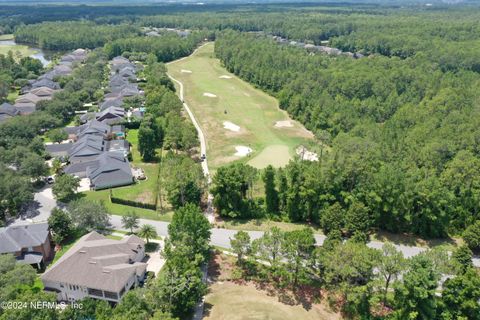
{"x":71,"y":35}
{"x":397,"y":136}
{"x":167,"y":47}
{"x":358,"y":281}
{"x":163,"y":125}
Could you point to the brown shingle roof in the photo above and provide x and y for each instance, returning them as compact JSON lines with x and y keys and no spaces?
{"x":98,"y":262}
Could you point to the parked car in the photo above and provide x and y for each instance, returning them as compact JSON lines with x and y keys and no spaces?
{"x":50,"y":180}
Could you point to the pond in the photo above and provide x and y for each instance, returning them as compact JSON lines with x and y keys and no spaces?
{"x":36,"y":53}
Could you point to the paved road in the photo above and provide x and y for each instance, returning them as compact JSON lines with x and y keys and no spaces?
{"x":221,"y":237}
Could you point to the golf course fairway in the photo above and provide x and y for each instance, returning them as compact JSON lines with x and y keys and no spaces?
{"x":239,"y":122}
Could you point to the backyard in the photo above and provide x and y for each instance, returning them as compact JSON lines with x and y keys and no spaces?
{"x":143,"y":191}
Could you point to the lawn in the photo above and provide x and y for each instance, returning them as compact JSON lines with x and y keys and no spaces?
{"x":262,"y":225}
{"x":144,"y":191}
{"x":13,"y":95}
{"x":237,"y":300}
{"x":22,"y":50}
{"x":217,"y":96}
{"x":68,"y":243}
{"x":6,"y":37}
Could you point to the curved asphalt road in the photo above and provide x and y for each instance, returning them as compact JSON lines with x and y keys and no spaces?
{"x":221,"y":237}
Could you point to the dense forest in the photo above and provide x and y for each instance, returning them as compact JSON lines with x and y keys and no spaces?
{"x":401,"y":134}
{"x":71,"y":35}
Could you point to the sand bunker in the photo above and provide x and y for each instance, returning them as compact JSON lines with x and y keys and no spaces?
{"x":210,"y":95}
{"x":225,"y":77}
{"x":242,"y":151}
{"x":185,"y":71}
{"x":231,"y":126}
{"x":306,"y":155}
{"x":284,"y":124}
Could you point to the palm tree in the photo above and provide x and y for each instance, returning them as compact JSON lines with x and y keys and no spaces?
{"x":56,"y":166}
{"x":148,"y":232}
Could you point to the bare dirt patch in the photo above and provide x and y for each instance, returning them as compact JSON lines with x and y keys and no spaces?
{"x":185,"y":71}
{"x":225,"y":77}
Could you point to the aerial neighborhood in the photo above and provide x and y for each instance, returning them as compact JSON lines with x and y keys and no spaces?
{"x":239,"y":160}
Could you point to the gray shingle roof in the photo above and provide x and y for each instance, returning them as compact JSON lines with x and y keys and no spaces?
{"x":14,"y":238}
{"x":98,"y":263}
{"x":94,"y":127}
{"x":87,"y":148}
{"x":45,"y":83}
{"x":59,"y":149}
{"x":115,"y":102}
{"x":8,"y":109}
{"x":112,"y":170}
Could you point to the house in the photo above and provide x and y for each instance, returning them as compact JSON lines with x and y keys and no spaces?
{"x":127,"y":72}
{"x":111,"y":170}
{"x":120,"y":145}
{"x":25,"y":108}
{"x":59,"y":150}
{"x":111,"y":115}
{"x":45,"y":83}
{"x":86,"y":117}
{"x":43,"y":91}
{"x":30,"y":98}
{"x":97,"y":267}
{"x":29,"y":243}
{"x":7,"y":111}
{"x":117,"y":80}
{"x":114,"y":102}
{"x":87,"y":148}
{"x":94,"y":127}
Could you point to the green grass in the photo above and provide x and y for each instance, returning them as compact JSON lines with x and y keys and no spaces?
{"x":68,"y":243}
{"x":13,"y":95}
{"x":6,"y":37}
{"x":262,"y":225}
{"x":121,"y":210}
{"x":19,"y":51}
{"x":252,"y":110}
{"x":38,"y":283}
{"x":143,"y":191}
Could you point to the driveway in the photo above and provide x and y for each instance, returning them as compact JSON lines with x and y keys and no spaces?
{"x":41,"y":207}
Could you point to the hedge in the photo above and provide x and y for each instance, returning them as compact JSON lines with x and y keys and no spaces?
{"x":132,"y":203}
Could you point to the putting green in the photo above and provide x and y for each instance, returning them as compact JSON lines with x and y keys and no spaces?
{"x":216,"y":97}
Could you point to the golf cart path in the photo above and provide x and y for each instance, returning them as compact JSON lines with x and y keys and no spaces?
{"x":201,"y":136}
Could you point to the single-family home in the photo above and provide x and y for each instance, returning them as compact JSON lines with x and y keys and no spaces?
{"x":97,"y":267}
{"x":111,"y":115}
{"x":7,"y":111}
{"x":29,"y":243}
{"x":111,"y":170}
